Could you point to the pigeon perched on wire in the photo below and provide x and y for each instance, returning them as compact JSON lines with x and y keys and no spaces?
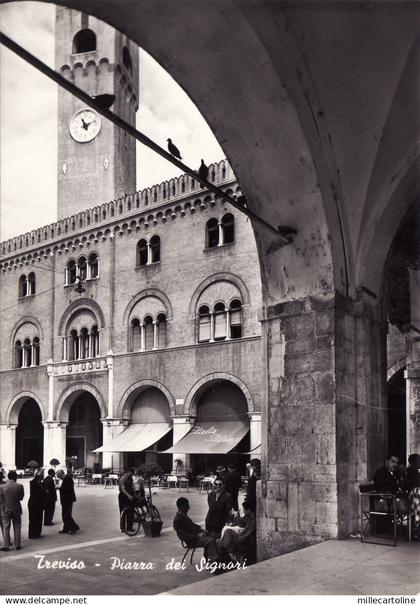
{"x":104,"y":101}
{"x":173,"y":150}
{"x":203,"y":172}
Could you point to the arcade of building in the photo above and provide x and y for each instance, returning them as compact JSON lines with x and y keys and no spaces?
{"x":315,"y":106}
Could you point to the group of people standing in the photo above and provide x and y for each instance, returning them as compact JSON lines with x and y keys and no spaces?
{"x":41,"y":505}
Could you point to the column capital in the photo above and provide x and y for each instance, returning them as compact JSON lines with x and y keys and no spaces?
{"x":54,"y":424}
{"x":183,"y":419}
{"x":254,"y":416}
{"x":8,"y":426}
{"x":115,"y":422}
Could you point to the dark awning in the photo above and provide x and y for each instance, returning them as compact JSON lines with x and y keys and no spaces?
{"x":217,"y":437}
{"x":136,"y":437}
{"x":256,"y":451}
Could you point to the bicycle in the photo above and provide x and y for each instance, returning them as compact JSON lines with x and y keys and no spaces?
{"x":132,"y":517}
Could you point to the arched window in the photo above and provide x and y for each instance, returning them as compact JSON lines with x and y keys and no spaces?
{"x":35,"y":351}
{"x":148,"y":333}
{"x":212,"y":233}
{"x":18,"y":354}
{"x":84,"y":41}
{"x":155,"y":249}
{"x":73,"y":345}
{"x":235,"y":312}
{"x":27,"y":353}
{"x":135,"y":329}
{"x":31,"y":284}
{"x":219,"y":321}
{"x":204,"y":324}
{"x":93,"y":266}
{"x":23,"y":286}
{"x":70,"y":273}
{"x":161,"y":331}
{"x":82,"y":268}
{"x":94,"y":341}
{"x":84,"y":343}
{"x":142,"y":253}
{"x":228,"y":229}
{"x":127,"y":60}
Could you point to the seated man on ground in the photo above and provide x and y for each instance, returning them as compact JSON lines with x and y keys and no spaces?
{"x":240,"y":538}
{"x":190,"y":533}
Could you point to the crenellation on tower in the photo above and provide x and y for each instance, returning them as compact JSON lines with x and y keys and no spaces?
{"x":96,"y":159}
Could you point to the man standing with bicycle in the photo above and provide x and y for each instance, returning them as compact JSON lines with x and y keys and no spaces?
{"x":126,"y":498}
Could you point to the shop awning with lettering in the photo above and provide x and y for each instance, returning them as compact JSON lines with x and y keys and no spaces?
{"x":136,"y":437}
{"x":217,"y":437}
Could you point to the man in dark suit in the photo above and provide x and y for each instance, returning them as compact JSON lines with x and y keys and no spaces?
{"x":385,"y":478}
{"x":220,"y":508}
{"x":233,"y":482}
{"x":67,"y":497}
{"x":190,"y":533}
{"x":36,"y":506}
{"x":50,"y":497}
{"x":11,"y":494}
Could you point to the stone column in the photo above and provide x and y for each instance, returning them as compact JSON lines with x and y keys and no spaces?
{"x":181,"y":425}
{"x":8,"y":445}
{"x":221,"y":235}
{"x":324,"y":420}
{"x":412,"y":373}
{"x":111,"y":428}
{"x":50,"y":370}
{"x":54,"y":441}
{"x":110,"y":366}
{"x":211,"y":327}
{"x":142,"y":338}
{"x":227,"y":324}
{"x":155,"y":335}
{"x":255,"y":431}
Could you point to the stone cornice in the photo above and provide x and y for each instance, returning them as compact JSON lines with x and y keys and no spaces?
{"x":131,"y":213}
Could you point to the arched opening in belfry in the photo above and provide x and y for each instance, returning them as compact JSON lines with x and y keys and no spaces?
{"x":84,"y":41}
{"x":84,"y":432}
{"x":29,"y":435}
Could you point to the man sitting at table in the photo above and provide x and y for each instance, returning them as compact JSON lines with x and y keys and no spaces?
{"x":190,"y":533}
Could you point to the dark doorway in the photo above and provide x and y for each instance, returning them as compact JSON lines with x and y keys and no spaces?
{"x":397,"y":415}
{"x":84,"y":431}
{"x":29,"y":435}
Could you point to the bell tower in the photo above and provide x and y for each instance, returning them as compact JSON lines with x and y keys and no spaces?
{"x":96,"y":160}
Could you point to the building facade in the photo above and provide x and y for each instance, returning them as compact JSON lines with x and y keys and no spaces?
{"x":134,"y":320}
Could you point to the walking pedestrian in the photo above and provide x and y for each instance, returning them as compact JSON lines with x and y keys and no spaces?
{"x":50,"y":497}
{"x":36,"y":506}
{"x":11,"y":494}
{"x":67,"y":498}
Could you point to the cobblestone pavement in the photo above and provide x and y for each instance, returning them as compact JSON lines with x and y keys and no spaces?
{"x":101,"y":546}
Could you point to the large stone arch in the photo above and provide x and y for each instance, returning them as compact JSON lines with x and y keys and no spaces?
{"x":190,"y":403}
{"x":396,"y":367}
{"x":144,"y":294}
{"x":68,"y":396}
{"x":23,"y":320}
{"x":83,"y":303}
{"x":125,"y":402}
{"x":212,"y":279}
{"x":12,"y":413}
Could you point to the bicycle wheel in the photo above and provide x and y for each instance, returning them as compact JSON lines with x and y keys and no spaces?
{"x":131,"y":521}
{"x":154,"y":513}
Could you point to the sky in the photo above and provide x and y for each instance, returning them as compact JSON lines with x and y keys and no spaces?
{"x":28,"y":123}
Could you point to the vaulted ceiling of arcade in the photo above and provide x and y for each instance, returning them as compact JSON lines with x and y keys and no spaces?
{"x":316,"y":107}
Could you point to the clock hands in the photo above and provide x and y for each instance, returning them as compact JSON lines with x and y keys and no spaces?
{"x":86,"y":125}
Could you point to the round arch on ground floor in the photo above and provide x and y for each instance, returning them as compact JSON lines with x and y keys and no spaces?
{"x":129,"y":396}
{"x":14,"y":407}
{"x":70,"y":394}
{"x":197,"y":390}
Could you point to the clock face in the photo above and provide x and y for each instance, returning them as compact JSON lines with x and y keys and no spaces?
{"x":85,"y":125}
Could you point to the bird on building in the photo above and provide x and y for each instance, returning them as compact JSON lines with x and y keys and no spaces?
{"x":104,"y":101}
{"x":173,"y":150}
{"x":203,"y":172}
